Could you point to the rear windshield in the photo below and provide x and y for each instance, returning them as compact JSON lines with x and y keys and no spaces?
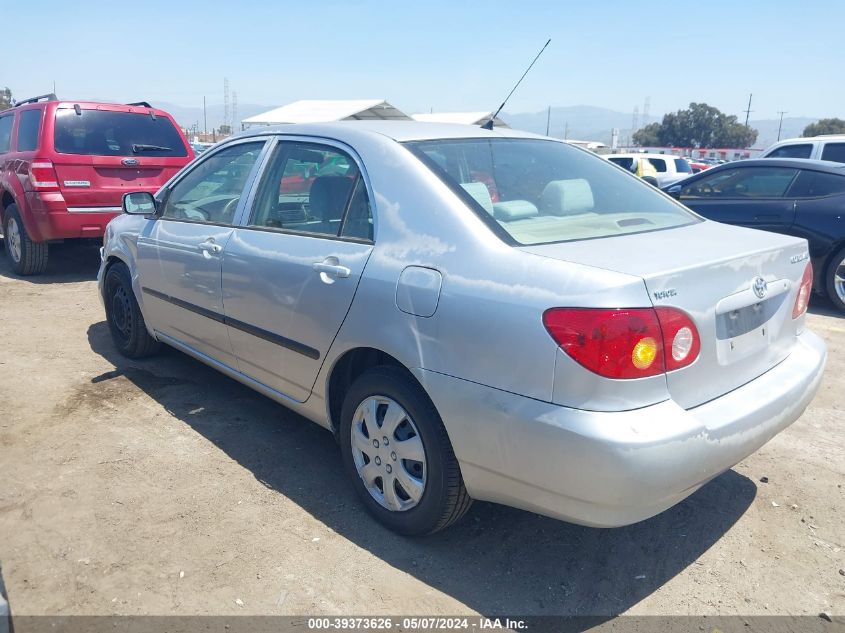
{"x":537,"y":191}
{"x":104,"y":133}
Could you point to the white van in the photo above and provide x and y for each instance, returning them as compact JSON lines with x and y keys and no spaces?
{"x":827,"y":147}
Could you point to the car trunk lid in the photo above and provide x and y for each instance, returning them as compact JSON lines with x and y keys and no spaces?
{"x":710,"y":270}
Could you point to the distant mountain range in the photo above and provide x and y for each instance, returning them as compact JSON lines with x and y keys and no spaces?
{"x":581,"y":122}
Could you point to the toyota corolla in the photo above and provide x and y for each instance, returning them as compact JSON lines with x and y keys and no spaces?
{"x":474,"y":314}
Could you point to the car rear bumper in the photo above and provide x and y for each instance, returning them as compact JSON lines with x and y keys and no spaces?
{"x":51,"y":219}
{"x":611,"y":469}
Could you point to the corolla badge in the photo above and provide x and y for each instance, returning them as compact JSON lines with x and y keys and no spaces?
{"x":760,"y":287}
{"x":129,"y":162}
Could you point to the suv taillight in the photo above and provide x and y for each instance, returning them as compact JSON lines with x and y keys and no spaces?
{"x":802,"y":299}
{"x":625,"y":342}
{"x":42,"y":175}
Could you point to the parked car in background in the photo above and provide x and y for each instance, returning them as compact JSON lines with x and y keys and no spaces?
{"x":636,"y":165}
{"x":804,"y":198}
{"x":562,"y":349}
{"x":65,"y":165}
{"x":670,"y":169}
{"x":828,"y":147}
{"x":698,"y":166}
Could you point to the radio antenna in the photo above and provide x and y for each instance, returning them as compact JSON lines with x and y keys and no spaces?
{"x":489,"y":124}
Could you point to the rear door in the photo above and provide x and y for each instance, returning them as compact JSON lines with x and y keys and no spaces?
{"x":103,"y":152}
{"x":180,"y":253}
{"x":834,"y":152}
{"x":291,"y":270}
{"x":746,"y":196}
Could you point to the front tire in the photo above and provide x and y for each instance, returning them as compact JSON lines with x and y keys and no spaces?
{"x":835,"y":280}
{"x":126,"y":323}
{"x":398,"y":455}
{"x":27,"y":257}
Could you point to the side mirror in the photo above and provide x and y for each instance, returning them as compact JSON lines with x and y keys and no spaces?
{"x":139,"y":203}
{"x":675,"y":192}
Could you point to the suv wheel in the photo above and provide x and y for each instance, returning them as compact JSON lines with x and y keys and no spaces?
{"x":126,"y":323}
{"x":398,"y":455}
{"x":27,"y":257}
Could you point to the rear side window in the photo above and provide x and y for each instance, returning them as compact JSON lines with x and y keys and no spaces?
{"x":627,"y":163}
{"x":792,"y":151}
{"x":29,"y":127}
{"x":815,"y":184}
{"x":5,"y":132}
{"x":104,"y":133}
{"x":659,"y":164}
{"x":834,"y":152}
{"x":682,"y":166}
{"x":751,"y":182}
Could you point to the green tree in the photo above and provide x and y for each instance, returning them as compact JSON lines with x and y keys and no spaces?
{"x":5,"y":99}
{"x":699,"y":126}
{"x":648,"y":136}
{"x":825,"y":126}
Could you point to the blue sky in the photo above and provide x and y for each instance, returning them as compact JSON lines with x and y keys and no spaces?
{"x":441,"y":55}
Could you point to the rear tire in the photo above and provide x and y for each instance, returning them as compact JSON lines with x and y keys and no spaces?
{"x":834,"y":278}
{"x":417,"y":455}
{"x":126,"y":323}
{"x":26,"y":256}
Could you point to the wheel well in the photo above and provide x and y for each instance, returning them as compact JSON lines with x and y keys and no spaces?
{"x":347,"y":368}
{"x":5,"y":201}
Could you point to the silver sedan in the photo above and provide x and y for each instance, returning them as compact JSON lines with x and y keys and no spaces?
{"x":474,"y":314}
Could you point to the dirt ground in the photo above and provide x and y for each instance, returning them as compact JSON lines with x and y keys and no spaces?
{"x":162,"y":487}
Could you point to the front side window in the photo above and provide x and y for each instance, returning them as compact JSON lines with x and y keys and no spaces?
{"x":5,"y":132}
{"x":751,"y":182}
{"x":313,"y":188}
{"x":792,"y":151}
{"x":623,"y":161}
{"x":659,"y":164}
{"x":834,"y":152}
{"x":536,"y":191}
{"x":815,"y":184}
{"x":210,"y":192}
{"x":107,"y":133}
{"x":28,"y":130}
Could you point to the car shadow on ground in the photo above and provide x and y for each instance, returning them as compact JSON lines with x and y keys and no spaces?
{"x":497,"y":560}
{"x":68,"y":262}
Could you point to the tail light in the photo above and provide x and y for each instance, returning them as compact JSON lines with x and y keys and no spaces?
{"x":42,"y":175}
{"x":802,"y":299}
{"x":627,"y":342}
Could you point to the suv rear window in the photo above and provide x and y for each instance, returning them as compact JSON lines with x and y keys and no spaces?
{"x":536,"y":191}
{"x":682,"y":166}
{"x":834,"y":152}
{"x":105,"y":133}
{"x":792,"y":151}
{"x":28,"y":127}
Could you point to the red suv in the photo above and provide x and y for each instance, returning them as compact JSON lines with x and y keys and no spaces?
{"x":65,"y":165}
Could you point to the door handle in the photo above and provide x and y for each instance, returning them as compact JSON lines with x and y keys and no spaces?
{"x":333,"y":270}
{"x":210,"y":247}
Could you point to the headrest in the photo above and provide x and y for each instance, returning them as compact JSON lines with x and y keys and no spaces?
{"x":567,"y":197}
{"x":328,"y":196}
{"x":480,"y":193}
{"x":514,"y":210}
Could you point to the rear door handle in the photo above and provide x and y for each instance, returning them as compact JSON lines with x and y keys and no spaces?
{"x":210,"y":247}
{"x":332,"y":269}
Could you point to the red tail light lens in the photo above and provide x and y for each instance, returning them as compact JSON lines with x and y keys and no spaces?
{"x":42,"y":175}
{"x":625,"y":343}
{"x":802,"y":300}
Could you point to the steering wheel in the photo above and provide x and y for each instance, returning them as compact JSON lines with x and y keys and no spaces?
{"x":229,"y":209}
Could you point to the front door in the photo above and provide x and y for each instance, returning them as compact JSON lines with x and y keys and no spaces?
{"x":180,"y":252}
{"x":291,"y":272}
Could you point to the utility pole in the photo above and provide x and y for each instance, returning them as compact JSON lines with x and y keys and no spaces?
{"x":548,"y":119}
{"x":748,"y":110}
{"x":565,"y":130}
{"x":780,"y":125}
{"x":204,"y":117}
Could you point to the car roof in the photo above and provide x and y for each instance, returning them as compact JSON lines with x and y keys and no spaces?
{"x":400,"y":131}
{"x":810,"y":139}
{"x":795,"y":163}
{"x":642,"y":155}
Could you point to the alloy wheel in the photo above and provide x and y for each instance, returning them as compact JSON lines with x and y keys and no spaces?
{"x":13,"y":239}
{"x":388,"y":453}
{"x":839,"y":280}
